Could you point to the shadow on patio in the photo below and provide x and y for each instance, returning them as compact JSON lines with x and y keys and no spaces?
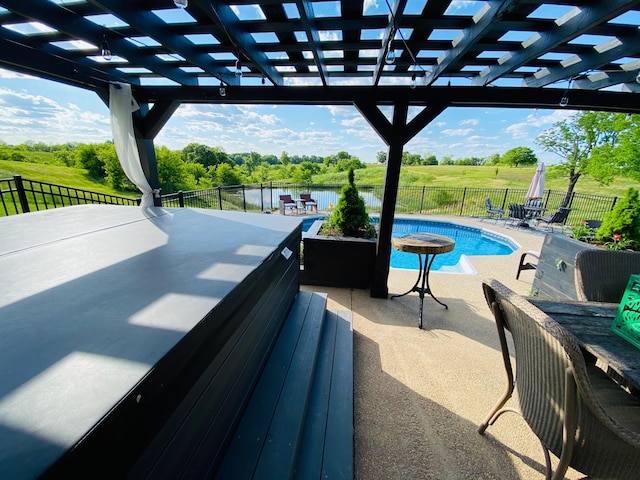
{"x":420,"y":394}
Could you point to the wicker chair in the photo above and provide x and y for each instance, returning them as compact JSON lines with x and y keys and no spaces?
{"x":602,"y":275}
{"x":287,"y":203}
{"x":308,"y":202}
{"x":577,"y":412}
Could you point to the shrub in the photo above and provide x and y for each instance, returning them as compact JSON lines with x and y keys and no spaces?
{"x":622,"y":224}
{"x":350,"y":216}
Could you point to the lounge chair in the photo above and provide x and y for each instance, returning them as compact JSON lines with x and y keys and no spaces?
{"x":308,"y":202}
{"x":559,"y":217}
{"x":578,"y":413}
{"x":286,"y":203}
{"x":493,"y":211}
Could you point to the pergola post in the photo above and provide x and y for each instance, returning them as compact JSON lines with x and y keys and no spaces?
{"x":147,"y":153}
{"x":147,"y":124}
{"x":396,"y":135}
{"x":396,"y":141}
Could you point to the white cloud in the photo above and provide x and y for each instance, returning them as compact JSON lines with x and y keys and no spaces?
{"x":470,"y":121}
{"x":535,"y":124}
{"x":454,"y":132}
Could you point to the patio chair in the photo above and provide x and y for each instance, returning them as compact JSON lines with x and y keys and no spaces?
{"x":527,"y":265}
{"x":493,"y":211}
{"x":533,"y":208}
{"x":286,"y":203}
{"x":308,"y":202}
{"x":577,"y":412}
{"x":559,"y":217}
{"x":602,"y":275}
{"x":517,"y":215}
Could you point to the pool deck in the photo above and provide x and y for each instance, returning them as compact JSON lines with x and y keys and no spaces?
{"x":420,"y":394}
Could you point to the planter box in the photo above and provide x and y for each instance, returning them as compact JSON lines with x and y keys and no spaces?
{"x":555,"y":272}
{"x":332,"y":261}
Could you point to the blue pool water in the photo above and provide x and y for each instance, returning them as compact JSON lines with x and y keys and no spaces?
{"x":470,"y":241}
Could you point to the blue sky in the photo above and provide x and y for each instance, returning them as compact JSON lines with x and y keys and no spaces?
{"x":42,"y":111}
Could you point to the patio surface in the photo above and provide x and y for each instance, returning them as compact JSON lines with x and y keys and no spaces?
{"x":420,"y":394}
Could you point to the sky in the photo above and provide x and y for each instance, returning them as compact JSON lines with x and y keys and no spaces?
{"x":37,"y":110}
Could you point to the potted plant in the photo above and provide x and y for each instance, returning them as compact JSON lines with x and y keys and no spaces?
{"x":340,"y":251}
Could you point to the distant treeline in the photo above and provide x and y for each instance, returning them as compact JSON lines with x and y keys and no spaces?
{"x":198,"y":166}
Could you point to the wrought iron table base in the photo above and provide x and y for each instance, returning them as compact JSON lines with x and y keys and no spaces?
{"x":423,"y":274}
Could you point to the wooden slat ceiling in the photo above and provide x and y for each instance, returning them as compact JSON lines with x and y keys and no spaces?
{"x":334,"y":51}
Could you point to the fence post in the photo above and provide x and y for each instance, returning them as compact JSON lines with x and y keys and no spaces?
{"x":261,"y":197}
{"x":422,"y":200}
{"x":464,"y":194}
{"x":244,"y":198}
{"x":22,"y":195}
{"x":181,"y":198}
{"x":220,"y":197}
{"x":504,"y":200}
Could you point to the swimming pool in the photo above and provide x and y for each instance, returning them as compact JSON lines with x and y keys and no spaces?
{"x":470,"y":241}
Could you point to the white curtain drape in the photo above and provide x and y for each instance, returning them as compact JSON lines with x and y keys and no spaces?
{"x":121,"y":106}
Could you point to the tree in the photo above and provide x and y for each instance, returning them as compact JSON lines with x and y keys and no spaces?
{"x":586,"y":142}
{"x":198,"y":153}
{"x":381,"y":157}
{"x":87,"y":158}
{"x":429,"y":159}
{"x":171,"y":170}
{"x":284,"y":158}
{"x":350,"y":215}
{"x":519,"y":156}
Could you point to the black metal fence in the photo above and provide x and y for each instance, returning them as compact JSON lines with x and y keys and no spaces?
{"x":462,"y":201}
{"x":19,"y":195}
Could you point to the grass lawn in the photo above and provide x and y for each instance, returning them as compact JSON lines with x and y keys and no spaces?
{"x":59,"y":175}
{"x":480,"y":177}
{"x":433,"y":176}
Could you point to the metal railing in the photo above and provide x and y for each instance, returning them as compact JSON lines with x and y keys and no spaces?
{"x":19,"y":195}
{"x":456,"y":201}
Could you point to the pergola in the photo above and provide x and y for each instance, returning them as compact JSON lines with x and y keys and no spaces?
{"x":431,"y":54}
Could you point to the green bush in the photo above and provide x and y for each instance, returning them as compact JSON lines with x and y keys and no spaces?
{"x":350,"y":216}
{"x":622,"y":224}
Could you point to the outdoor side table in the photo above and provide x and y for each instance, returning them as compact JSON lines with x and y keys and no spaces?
{"x":426,"y":244}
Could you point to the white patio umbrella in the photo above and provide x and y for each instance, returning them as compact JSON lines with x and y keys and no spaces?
{"x":536,"y":189}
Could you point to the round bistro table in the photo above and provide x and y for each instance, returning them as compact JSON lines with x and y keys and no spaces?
{"x":423,"y":244}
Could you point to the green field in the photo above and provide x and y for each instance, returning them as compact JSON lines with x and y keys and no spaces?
{"x":434,"y":176}
{"x":480,"y":177}
{"x":59,"y":175}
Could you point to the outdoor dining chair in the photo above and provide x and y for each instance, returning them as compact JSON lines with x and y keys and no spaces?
{"x":287,"y":203}
{"x":517,"y":215}
{"x":602,"y":275}
{"x":559,"y":217}
{"x":577,"y":412}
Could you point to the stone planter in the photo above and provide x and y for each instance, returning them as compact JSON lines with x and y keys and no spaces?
{"x":555,"y":272}
{"x":332,"y":261}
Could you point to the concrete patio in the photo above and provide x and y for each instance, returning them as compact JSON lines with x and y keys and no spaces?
{"x":420,"y":394}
